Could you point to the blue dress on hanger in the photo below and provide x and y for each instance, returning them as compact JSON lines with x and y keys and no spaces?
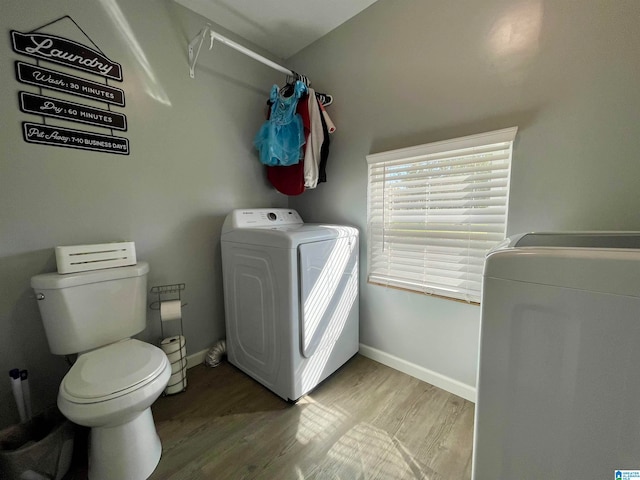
{"x":280,"y":138}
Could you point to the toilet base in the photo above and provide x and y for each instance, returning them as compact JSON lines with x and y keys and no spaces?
{"x":130,"y":451}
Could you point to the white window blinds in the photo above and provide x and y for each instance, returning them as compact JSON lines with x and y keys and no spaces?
{"x":435,"y":210}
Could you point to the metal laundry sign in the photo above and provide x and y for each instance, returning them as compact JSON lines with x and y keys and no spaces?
{"x":65,"y":52}
{"x":76,"y":112}
{"x":70,"y":54}
{"x":67,"y":137}
{"x":61,"y":82}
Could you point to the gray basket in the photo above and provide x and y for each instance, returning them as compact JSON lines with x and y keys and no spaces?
{"x":41,"y":448}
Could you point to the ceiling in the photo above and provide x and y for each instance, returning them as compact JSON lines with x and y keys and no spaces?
{"x":283,"y":27}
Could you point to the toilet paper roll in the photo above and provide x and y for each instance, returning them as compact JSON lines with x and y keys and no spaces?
{"x":177,"y":382}
{"x":178,"y":377}
{"x":26,"y":393}
{"x":179,"y":364}
{"x":17,"y":393}
{"x":175,"y":348}
{"x":176,"y":356}
{"x":175,"y":388}
{"x":172,"y":344}
{"x":170,"y":310}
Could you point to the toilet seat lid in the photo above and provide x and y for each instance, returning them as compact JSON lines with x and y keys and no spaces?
{"x":114,"y":369}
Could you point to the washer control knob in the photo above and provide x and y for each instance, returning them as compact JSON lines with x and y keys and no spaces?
{"x":272,"y":216}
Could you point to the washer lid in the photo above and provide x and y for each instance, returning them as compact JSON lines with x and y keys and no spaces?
{"x":602,"y":270}
{"x":115,"y":368}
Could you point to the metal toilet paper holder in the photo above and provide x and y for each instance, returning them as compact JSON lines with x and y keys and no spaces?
{"x":172,"y":293}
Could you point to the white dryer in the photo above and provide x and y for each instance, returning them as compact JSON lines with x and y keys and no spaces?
{"x":291,"y":298}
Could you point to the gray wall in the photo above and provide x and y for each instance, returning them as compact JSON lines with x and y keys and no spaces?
{"x":408,"y":72}
{"x":191,"y":162}
{"x":402,"y":73}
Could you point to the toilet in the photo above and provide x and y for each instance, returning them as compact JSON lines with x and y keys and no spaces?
{"x":116,"y":378}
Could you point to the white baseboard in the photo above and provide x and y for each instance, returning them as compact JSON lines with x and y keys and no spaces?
{"x":196,"y":358}
{"x":441,"y":381}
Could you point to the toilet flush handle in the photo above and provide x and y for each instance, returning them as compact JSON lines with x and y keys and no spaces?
{"x":39,"y":296}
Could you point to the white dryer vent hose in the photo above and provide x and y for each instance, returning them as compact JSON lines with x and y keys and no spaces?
{"x":215,"y":354}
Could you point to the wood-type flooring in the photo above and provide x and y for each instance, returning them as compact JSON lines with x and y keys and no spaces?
{"x":365,"y":422}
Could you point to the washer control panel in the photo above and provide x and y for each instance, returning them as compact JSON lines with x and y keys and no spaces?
{"x":262,"y":217}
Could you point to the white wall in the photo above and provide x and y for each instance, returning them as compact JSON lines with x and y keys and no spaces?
{"x":191,"y":162}
{"x":406,"y":72}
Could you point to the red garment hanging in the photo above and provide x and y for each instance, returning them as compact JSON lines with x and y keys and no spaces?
{"x":290,"y":180}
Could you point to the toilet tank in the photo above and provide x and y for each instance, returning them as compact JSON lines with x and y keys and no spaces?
{"x":85,"y":310}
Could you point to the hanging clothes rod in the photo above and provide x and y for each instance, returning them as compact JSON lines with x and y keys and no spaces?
{"x":199,"y":39}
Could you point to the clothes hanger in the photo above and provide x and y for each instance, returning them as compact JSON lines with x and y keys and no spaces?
{"x":289,"y":86}
{"x":324,"y":98}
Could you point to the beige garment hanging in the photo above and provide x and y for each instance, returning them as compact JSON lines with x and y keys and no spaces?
{"x":314,"y":142}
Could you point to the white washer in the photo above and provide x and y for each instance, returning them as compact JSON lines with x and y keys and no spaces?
{"x":291,"y":298}
{"x":559,"y":372}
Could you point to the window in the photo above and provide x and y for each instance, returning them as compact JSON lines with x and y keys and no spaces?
{"x":435,"y":210}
